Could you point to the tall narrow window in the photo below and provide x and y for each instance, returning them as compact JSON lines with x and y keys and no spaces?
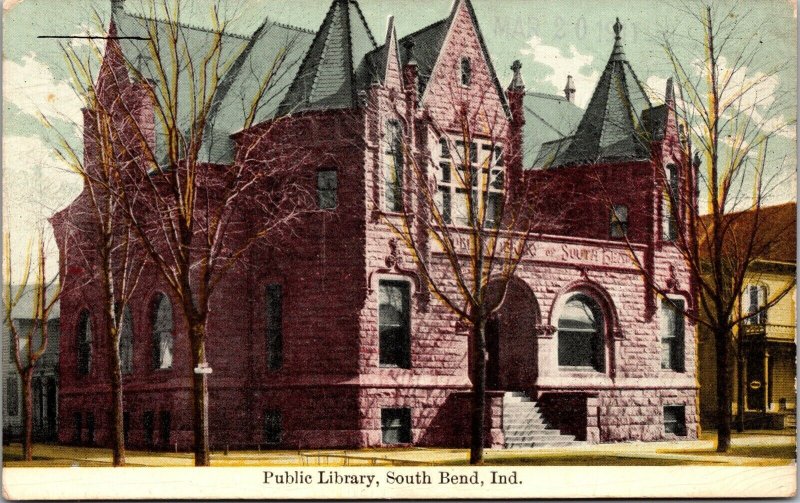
{"x":126,"y":342}
{"x":396,"y":426}
{"x":581,"y":342}
{"x":466,"y":71}
{"x":670,"y":204}
{"x":166,"y":426}
{"x":394,"y":324}
{"x":77,"y":433}
{"x":754,"y":300}
{"x":90,"y":428}
{"x":12,"y":396}
{"x":126,"y":425}
{"x":84,"y":343}
{"x":274,"y":315}
{"x":619,"y":221}
{"x":327,"y":188}
{"x":672,"y":335}
{"x":272,"y":426}
{"x":148,"y":421}
{"x":393,"y":167}
{"x":162,"y":332}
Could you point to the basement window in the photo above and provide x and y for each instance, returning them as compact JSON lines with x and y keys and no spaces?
{"x":396,"y":426}
{"x":272,"y":426}
{"x":675,"y":420}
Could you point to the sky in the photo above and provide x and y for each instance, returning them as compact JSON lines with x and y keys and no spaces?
{"x":552,"y":38}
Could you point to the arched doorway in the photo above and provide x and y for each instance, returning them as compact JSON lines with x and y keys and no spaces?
{"x":511,"y":340}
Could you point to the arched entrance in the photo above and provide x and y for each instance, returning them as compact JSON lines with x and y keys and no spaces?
{"x":511,"y":340}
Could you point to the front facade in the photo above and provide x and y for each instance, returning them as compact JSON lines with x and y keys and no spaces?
{"x":337,"y":342}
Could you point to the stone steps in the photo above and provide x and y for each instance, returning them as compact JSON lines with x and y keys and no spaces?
{"x":524,"y":425}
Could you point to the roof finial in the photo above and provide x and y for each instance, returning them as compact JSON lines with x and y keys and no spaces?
{"x":517,"y":83}
{"x":569,"y":89}
{"x":618,"y":54}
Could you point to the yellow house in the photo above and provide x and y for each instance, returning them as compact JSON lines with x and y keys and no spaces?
{"x":765,"y":343}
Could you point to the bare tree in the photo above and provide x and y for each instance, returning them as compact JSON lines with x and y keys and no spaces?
{"x":194,"y":218}
{"x":466,"y":213}
{"x":28,"y":344}
{"x":102,"y":241}
{"x":712,"y":210}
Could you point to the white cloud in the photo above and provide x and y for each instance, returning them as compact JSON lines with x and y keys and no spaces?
{"x":574,"y":63}
{"x":31,"y":86}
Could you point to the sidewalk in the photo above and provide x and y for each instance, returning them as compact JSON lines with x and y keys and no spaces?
{"x":747,"y":449}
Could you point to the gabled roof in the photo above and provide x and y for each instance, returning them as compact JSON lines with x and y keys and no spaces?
{"x":611,"y":128}
{"x":425,"y":45}
{"x":252,"y":57}
{"x":775,"y":231}
{"x":550,"y":120}
{"x":327,"y":76}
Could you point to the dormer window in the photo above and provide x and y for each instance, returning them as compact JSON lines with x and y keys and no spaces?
{"x":466,"y":72}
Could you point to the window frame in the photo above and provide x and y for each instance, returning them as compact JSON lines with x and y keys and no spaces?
{"x":465,"y":71}
{"x":669,"y":221}
{"x":393,"y":153}
{"x":451,"y":179}
{"x":158,"y":338}
{"x":273,"y":418}
{"x":679,"y":421}
{"x":676,"y":341}
{"x":597,"y":340}
{"x":85,"y":338}
{"x":404,"y":429}
{"x":762,"y":295}
{"x":400,"y":356}
{"x":619,"y":221}
{"x":330,"y":190}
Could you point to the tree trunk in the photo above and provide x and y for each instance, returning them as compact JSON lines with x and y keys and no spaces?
{"x":118,"y":428}
{"x":723,"y":391}
{"x":740,"y":384}
{"x":27,"y":413}
{"x":478,"y":393}
{"x":197,"y":335}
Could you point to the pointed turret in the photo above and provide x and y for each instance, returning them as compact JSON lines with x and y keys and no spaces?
{"x":611,"y":126}
{"x":326,"y":79}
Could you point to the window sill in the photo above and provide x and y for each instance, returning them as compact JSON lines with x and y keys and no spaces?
{"x":587,"y":370}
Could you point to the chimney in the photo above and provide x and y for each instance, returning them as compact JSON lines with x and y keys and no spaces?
{"x":569,"y":89}
{"x":410,"y":75}
{"x":117,"y":7}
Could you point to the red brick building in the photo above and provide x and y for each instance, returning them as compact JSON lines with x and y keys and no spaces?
{"x":336,"y":342}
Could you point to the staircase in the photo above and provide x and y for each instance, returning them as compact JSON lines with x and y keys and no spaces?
{"x":524,"y":426}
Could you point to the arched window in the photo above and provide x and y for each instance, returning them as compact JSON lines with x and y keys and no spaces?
{"x":126,"y":342}
{"x":580,"y":334}
{"x":162,"y":332}
{"x":84,"y":343}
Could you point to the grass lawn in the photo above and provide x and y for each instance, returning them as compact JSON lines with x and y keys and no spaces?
{"x":748,"y":449}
